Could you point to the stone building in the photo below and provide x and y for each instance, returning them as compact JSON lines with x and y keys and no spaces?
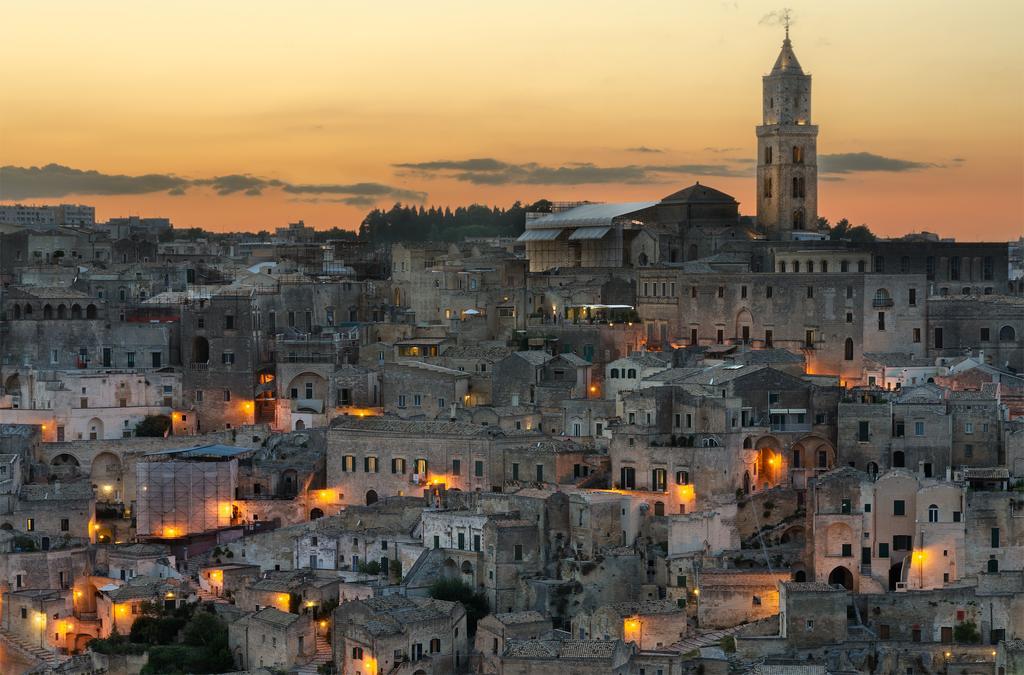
{"x":222,"y":355}
{"x":385,"y":633}
{"x":961,"y":322}
{"x":374,"y":457}
{"x":423,"y":390}
{"x":650,"y":624}
{"x":494,"y":631}
{"x":271,"y":638}
{"x":731,"y":597}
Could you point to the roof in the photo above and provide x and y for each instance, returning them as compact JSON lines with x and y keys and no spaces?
{"x":787,"y":63}
{"x":811,"y":587}
{"x":700,"y":194}
{"x":644,"y":607}
{"x":535,"y":357}
{"x":432,"y":367}
{"x":573,"y":359}
{"x":587,"y":215}
{"x":273,"y":617}
{"x":561,"y":649}
{"x":57,"y":491}
{"x":140,"y":550}
{"x":213,"y":451}
{"x":394,"y":613}
{"x":513,"y":618}
{"x":420,"y":428}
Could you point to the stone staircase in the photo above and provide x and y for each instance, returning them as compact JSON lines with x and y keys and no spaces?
{"x":33,"y":652}
{"x":207,"y":596}
{"x":323,"y":655}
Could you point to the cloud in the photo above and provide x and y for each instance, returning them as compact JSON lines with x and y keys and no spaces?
{"x":55,"y":181}
{"x":712,"y":148}
{"x":490,"y":171}
{"x":644,"y":149}
{"x":779,"y":17}
{"x":855,"y":162}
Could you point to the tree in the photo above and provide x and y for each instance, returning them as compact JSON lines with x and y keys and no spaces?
{"x":967,"y":633}
{"x":153,"y":426}
{"x":456,"y":590}
{"x":842,"y":230}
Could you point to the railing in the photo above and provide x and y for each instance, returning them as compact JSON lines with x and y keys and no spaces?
{"x":791,"y":427}
{"x":882,"y":302}
{"x":199,"y":366}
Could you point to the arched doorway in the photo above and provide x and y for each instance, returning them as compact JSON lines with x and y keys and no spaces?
{"x":95,"y":429}
{"x":841,"y":576}
{"x":746,"y":482}
{"x":895,"y":575}
{"x":200,"y":350}
{"x":800,"y":576}
{"x":76,"y":311}
{"x":90,"y":311}
{"x":12,"y":387}
{"x":299,"y":425}
{"x":289,"y":484}
{"x":467,"y":567}
{"x":371,"y":497}
{"x":793,"y":535}
{"x":315,"y":513}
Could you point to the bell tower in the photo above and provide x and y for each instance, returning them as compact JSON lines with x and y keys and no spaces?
{"x":787,"y":150}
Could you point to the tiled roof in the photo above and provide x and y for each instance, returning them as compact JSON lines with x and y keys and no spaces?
{"x":420,"y":428}
{"x":561,"y":649}
{"x":56,"y":491}
{"x":643,"y":607}
{"x":275,"y":617}
{"x":535,"y":357}
{"x":513,"y":618}
{"x":810,"y":587}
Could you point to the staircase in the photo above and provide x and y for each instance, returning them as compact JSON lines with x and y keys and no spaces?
{"x":323,"y":655}
{"x":206,"y":596}
{"x":33,"y":652}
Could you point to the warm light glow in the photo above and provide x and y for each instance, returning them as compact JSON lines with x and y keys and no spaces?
{"x":40,"y":619}
{"x":121,"y":609}
{"x":43,"y":427}
{"x":78,"y":594}
{"x":370,"y":663}
{"x":696,"y":591}
{"x":108,"y":488}
{"x":247,"y":406}
{"x":310,"y":603}
{"x":170,"y":532}
{"x":323,"y":623}
{"x":169,"y":595}
{"x":771,"y":461}
{"x":919,"y":556}
{"x":686,"y":492}
{"x":216,"y":575}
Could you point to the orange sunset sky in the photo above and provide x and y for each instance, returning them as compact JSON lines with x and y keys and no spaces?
{"x":248,"y":115}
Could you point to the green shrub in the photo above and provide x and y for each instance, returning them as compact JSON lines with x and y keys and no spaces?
{"x":456,"y":590}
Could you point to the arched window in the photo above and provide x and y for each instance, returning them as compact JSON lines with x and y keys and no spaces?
{"x":659,"y":508}
{"x":1007,"y":334}
{"x":710,"y":443}
{"x":768,"y":187}
{"x":798,"y":220}
{"x":615,"y":374}
{"x":768,"y":156}
{"x":861,"y":265}
{"x":798,"y":154}
{"x":810,"y":266}
{"x":796,"y":265}
{"x":848,"y":350}
{"x":844,"y":266}
{"x":632,"y":373}
{"x":782,"y":266}
{"x":798,"y":187}
{"x":824,"y":266}
{"x":933,"y":513}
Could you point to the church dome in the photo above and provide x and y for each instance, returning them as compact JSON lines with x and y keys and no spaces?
{"x":699,"y":194}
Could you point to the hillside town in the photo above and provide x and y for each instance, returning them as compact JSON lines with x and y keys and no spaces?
{"x":646,"y":438}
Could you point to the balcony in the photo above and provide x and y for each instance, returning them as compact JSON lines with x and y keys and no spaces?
{"x":881,"y":303}
{"x":197,"y":366}
{"x":791,"y":426}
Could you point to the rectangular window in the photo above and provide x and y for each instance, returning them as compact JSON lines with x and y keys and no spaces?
{"x":768,"y":337}
{"x":938,"y":338}
{"x":863,"y":431}
{"x":65,"y":525}
{"x":227,"y":394}
{"x":919,"y":428}
{"x":478,"y":468}
{"x":518,"y":552}
{"x":30,"y":525}
{"x":899,"y":507}
{"x":995,"y":537}
{"x":883,"y":549}
{"x":916,"y":336}
{"x":456,"y":467}
{"x":913,"y":297}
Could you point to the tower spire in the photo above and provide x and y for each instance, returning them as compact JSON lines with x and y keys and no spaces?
{"x":786,"y":21}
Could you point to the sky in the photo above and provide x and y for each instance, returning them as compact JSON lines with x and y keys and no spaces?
{"x":250,"y":115}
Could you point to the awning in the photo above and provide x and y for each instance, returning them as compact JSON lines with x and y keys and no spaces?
{"x":589,"y":233}
{"x":539,"y":235}
{"x":787,"y":411}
